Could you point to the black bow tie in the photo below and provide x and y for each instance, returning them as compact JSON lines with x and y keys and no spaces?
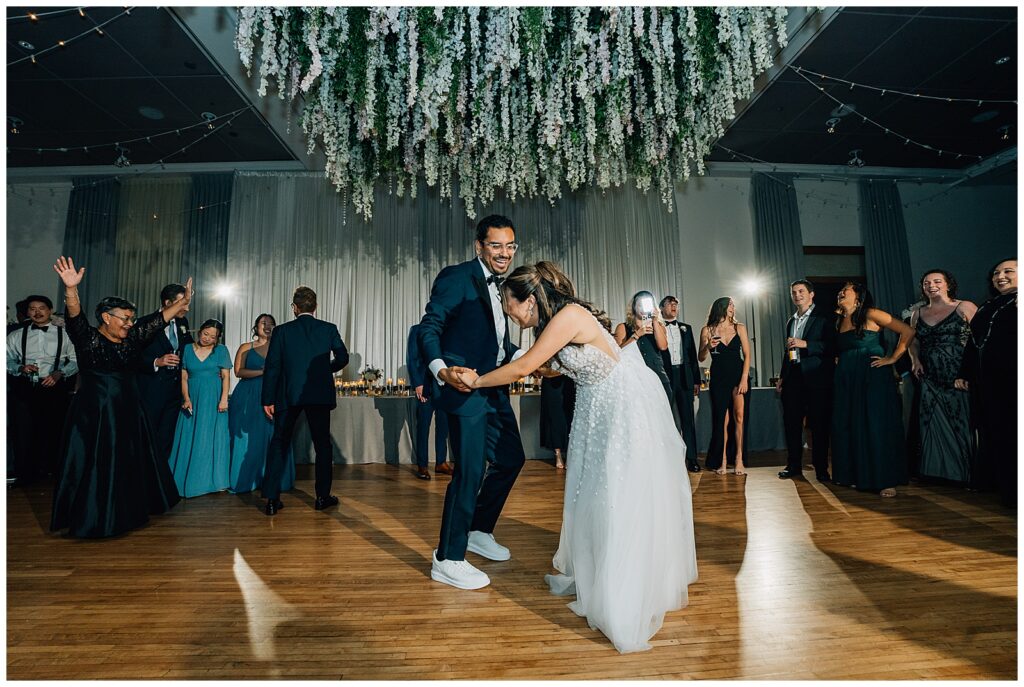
{"x":495,"y":280}
{"x":42,"y":328}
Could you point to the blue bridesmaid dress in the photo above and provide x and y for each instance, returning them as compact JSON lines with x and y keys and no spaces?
{"x":201,"y":457}
{"x":251,"y":432}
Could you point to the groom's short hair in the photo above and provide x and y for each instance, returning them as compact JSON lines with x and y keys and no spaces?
{"x":304,"y":299}
{"x":492,"y":222}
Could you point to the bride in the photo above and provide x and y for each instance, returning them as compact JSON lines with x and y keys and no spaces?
{"x":627,"y":547}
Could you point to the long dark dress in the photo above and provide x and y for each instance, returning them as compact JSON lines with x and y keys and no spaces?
{"x":868,"y":449}
{"x":648,"y":346}
{"x":111,"y":480}
{"x":990,"y":365}
{"x":947,"y":442}
{"x":557,"y":398}
{"x":726,"y":371}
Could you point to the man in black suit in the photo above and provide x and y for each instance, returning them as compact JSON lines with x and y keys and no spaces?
{"x":806,"y":381}
{"x":298,"y":377}
{"x":465,"y":327}
{"x":684,"y":373}
{"x":425,"y":412}
{"x":159,"y":374}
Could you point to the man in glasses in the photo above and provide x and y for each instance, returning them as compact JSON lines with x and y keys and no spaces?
{"x":465,"y":327}
{"x":159,"y":374}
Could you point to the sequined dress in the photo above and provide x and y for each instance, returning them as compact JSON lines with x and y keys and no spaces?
{"x":626,"y":548}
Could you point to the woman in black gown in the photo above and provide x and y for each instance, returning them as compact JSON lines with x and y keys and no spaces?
{"x":557,"y":398}
{"x":111,"y":480}
{"x":729,"y":380}
{"x":989,"y":372}
{"x":868,"y":448}
{"x":647,"y":329}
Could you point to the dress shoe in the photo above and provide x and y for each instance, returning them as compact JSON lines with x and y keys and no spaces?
{"x":789,"y":474}
{"x":822,"y":477}
{"x":459,"y":574}
{"x":483,"y":544}
{"x":325,"y":502}
{"x":444,"y":469}
{"x":273,"y":505}
{"x":693,"y":466}
{"x":423,"y":473}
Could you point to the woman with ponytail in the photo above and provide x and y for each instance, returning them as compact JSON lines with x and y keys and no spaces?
{"x":626,"y":548}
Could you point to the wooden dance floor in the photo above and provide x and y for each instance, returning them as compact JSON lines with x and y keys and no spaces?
{"x":797,"y":580}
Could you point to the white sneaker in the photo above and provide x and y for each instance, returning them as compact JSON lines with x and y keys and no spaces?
{"x":483,"y":544}
{"x":458,"y":574}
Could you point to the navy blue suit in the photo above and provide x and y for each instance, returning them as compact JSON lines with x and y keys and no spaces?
{"x":418,"y":373}
{"x":299,"y":377}
{"x":160,"y":389}
{"x":458,"y":327}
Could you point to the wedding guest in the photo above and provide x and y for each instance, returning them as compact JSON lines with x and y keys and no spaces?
{"x":557,"y":398}
{"x":648,"y":331}
{"x":159,"y":374}
{"x":805,"y":382}
{"x":40,"y":361}
{"x":111,"y":479}
{"x":201,"y":453}
{"x":248,"y":425}
{"x":680,"y":360}
{"x":298,"y":378}
{"x":425,"y":411}
{"x":943,"y":411}
{"x":989,"y":371}
{"x":730,"y":372}
{"x":868,"y":450}
{"x":21,"y":317}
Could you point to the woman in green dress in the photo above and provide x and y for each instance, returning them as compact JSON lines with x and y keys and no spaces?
{"x":868,"y":447}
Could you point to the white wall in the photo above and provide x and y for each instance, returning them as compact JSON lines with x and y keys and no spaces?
{"x":36,"y":214}
{"x":828,"y":212}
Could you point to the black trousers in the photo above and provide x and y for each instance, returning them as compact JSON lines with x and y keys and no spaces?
{"x":488,"y":454}
{"x":319,"y":420}
{"x":801,"y":400}
{"x":162,"y":410}
{"x":36,"y":415}
{"x":682,"y":397}
{"x":424,"y":413}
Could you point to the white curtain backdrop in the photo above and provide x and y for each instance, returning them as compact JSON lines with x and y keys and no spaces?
{"x":373,"y":279}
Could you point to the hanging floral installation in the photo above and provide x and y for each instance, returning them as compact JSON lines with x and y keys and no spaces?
{"x":527,"y":100}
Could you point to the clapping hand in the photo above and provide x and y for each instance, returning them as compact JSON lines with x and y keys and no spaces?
{"x":65,"y":269}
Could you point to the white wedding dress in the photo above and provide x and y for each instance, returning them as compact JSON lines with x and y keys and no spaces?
{"x":627,"y":547}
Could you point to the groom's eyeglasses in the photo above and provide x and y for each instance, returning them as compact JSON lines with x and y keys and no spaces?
{"x":494,"y":245}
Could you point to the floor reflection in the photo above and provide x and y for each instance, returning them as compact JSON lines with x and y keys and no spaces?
{"x":264,"y":610}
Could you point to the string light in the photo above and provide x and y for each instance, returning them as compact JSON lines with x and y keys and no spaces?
{"x":871,"y":121}
{"x":35,"y":16}
{"x":98,"y":29}
{"x":801,"y":70}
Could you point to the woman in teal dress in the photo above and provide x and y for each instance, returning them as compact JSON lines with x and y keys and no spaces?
{"x":201,"y":456}
{"x":249,"y":426}
{"x":868,"y":446}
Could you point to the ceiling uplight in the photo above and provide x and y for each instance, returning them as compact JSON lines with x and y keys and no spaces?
{"x":1003,"y":60}
{"x":14,"y":124}
{"x":26,"y":45}
{"x":150,"y":112}
{"x":830,"y":125}
{"x":1004,"y":131}
{"x":984,"y":116}
{"x":209,"y":117}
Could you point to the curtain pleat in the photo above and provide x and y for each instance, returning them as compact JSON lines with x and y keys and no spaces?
{"x":90,"y":237}
{"x":886,"y":253}
{"x":204,"y":250}
{"x":779,"y":256}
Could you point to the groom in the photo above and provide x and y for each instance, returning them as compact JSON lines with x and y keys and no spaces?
{"x":465,"y":327}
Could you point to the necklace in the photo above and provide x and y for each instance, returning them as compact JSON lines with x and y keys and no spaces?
{"x":980,"y":346}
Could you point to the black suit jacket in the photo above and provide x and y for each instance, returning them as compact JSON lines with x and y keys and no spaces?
{"x":299,"y":370}
{"x":458,"y":327}
{"x":687,"y":352}
{"x":414,"y":361}
{"x":163,"y":383}
{"x":817,"y":361}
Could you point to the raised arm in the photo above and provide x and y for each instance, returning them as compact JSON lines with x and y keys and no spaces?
{"x":907,"y":334}
{"x":179,"y":308}
{"x":660,"y":336}
{"x":65,"y":269}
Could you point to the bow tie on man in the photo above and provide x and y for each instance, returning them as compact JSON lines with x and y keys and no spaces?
{"x":496,"y":280}
{"x":41,"y":328}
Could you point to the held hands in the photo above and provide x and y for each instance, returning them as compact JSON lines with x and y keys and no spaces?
{"x":167,"y":360}
{"x":452,"y":376}
{"x":65,"y":269}
{"x":468,"y":377}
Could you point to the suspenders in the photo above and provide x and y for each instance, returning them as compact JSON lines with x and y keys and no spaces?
{"x":60,"y":344}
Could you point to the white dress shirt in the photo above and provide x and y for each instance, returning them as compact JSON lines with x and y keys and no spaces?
{"x":797,"y":328}
{"x":675,"y":338}
{"x":41,"y":350}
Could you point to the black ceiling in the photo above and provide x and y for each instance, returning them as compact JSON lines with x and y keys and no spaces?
{"x":90,"y":92}
{"x":949,"y":52}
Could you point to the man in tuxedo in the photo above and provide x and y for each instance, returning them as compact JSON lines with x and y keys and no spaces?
{"x":806,"y":381}
{"x":425,"y":412}
{"x":464,"y":326}
{"x":684,"y":373}
{"x":298,"y":377}
{"x":41,"y":365}
{"x":159,"y":374}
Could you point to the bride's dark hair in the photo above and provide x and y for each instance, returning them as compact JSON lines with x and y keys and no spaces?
{"x":552,"y":289}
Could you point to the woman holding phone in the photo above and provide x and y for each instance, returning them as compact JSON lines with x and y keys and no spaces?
{"x":724,"y":339}
{"x":644,"y":326}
